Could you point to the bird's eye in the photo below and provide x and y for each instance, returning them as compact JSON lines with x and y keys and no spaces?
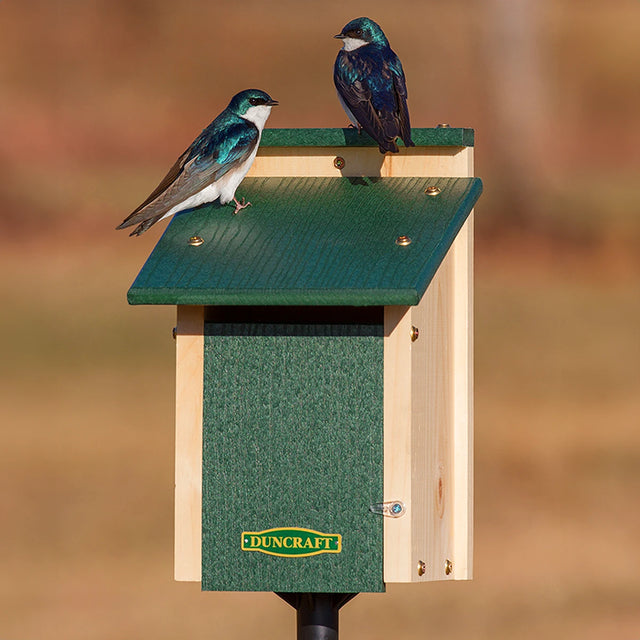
{"x":358,"y":32}
{"x":254,"y":101}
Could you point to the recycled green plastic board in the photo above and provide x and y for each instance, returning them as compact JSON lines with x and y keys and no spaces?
{"x":310,"y":241}
{"x":293,"y":448}
{"x":350,"y":137}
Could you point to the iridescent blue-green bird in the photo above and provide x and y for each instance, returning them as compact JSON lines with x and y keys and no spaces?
{"x":371,"y":85}
{"x":213,"y":166}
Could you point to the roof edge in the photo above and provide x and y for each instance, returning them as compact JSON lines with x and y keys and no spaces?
{"x":306,"y":297}
{"x":318,"y":137}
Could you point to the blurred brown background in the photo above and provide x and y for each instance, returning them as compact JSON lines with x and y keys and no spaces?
{"x":97,"y":100}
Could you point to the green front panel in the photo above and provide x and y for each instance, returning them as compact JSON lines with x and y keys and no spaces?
{"x":293,"y":437}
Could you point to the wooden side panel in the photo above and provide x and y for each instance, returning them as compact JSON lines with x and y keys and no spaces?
{"x":188,"y":489}
{"x":398,"y":532}
{"x":429,"y":417}
{"x":463,"y":386}
{"x":419,"y":434}
{"x":432,"y":389}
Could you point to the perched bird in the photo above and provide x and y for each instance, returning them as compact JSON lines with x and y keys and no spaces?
{"x":213,"y":166}
{"x":371,"y":85}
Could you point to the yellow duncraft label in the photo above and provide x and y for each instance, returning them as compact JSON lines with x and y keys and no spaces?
{"x":291,"y":542}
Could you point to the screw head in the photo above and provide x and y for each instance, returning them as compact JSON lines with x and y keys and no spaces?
{"x":415,"y":333}
{"x":432,"y":191}
{"x":174,"y":332}
{"x":403,"y":241}
{"x":448,"y":566}
{"x":195,"y":241}
{"x":422,"y":568}
{"x":338,"y":162}
{"x":443,"y":125}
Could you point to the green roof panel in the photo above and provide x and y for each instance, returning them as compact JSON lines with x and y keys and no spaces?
{"x":433,"y":137}
{"x":310,"y":241}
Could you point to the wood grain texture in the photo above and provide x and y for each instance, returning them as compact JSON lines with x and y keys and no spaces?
{"x":188,"y":470}
{"x":358,"y":162}
{"x":463,"y":406}
{"x":462,"y":255}
{"x":418,"y":434}
{"x":463,"y":390}
{"x":433,"y":435}
{"x":429,"y":421}
{"x":398,"y":451}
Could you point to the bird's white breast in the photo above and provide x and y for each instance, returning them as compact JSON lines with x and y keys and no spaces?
{"x":225,"y":187}
{"x":258,"y":115}
{"x":230,"y":181}
{"x":350,"y":44}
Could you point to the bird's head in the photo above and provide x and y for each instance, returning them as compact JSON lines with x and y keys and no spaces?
{"x":253,"y":105}
{"x":360,"y":32}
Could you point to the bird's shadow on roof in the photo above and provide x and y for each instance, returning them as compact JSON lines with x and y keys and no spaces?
{"x":364,"y":181}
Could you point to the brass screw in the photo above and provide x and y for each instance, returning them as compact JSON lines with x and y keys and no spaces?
{"x":415,"y":333}
{"x":195,"y":241}
{"x":443,"y":125}
{"x":174,"y":332}
{"x":422,"y":568}
{"x":448,"y":566}
{"x":338,"y":162}
{"x":432,"y":191}
{"x":403,"y":241}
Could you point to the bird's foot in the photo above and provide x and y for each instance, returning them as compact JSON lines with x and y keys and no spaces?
{"x":240,"y":205}
{"x":355,"y":126}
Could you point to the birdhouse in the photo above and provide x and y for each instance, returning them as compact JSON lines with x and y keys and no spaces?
{"x":324,"y":382}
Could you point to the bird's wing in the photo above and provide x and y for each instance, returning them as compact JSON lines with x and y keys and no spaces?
{"x":167,"y":181}
{"x":356,"y":94}
{"x":378,"y":121}
{"x":205,"y":161}
{"x":400,"y":88}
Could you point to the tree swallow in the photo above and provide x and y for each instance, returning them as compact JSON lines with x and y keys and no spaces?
{"x":371,"y":85}
{"x":213,"y":166}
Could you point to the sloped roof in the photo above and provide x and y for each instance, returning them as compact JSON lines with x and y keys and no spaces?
{"x":310,"y":241}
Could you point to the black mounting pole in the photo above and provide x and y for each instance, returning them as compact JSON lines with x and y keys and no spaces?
{"x":317,"y":613}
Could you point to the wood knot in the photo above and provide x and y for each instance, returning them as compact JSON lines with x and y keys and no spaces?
{"x":440,"y":496}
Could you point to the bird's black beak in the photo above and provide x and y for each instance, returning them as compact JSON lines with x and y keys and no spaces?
{"x":340,"y":36}
{"x":272,"y":103}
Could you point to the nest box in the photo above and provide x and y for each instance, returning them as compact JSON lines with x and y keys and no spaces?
{"x":324,"y":396}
